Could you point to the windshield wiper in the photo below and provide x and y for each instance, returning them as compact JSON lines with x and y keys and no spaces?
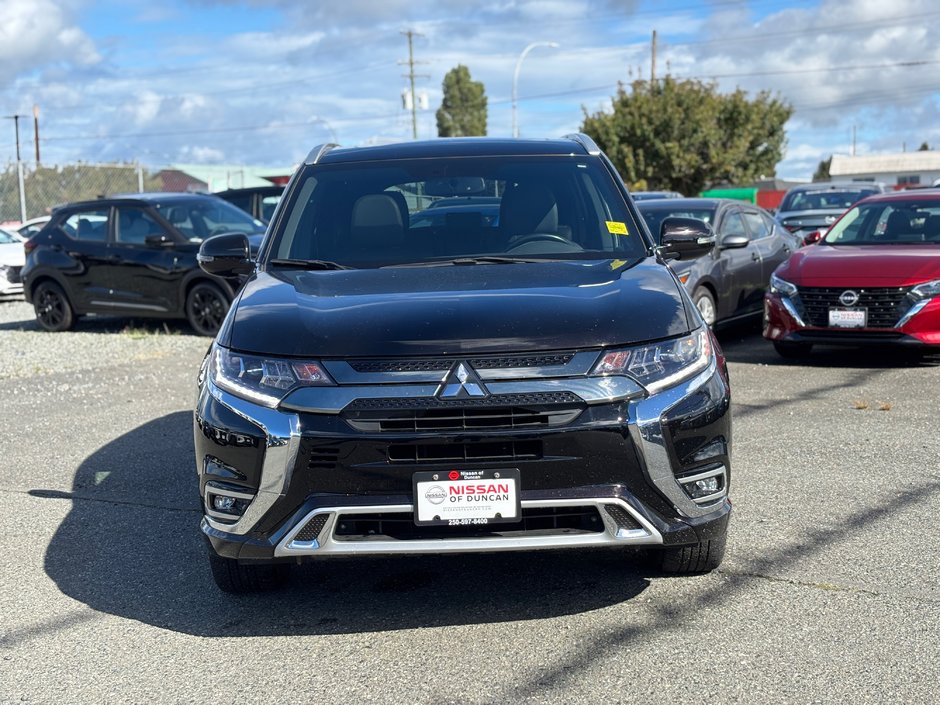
{"x":465,"y":261}
{"x":308,"y":264}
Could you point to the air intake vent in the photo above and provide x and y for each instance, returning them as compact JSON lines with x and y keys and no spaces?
{"x":322,"y":458}
{"x":312,"y":529}
{"x":443,"y":364}
{"x":463,"y":452}
{"x":622,"y":517}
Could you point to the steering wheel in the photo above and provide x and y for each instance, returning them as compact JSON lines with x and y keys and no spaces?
{"x":536,"y":237}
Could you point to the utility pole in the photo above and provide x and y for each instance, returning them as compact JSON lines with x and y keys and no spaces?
{"x":653,"y":59}
{"x":36,"y":131}
{"x":853,"y":139}
{"x":19,"y":166}
{"x":411,"y":76}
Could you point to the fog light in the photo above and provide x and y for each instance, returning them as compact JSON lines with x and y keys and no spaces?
{"x":223,"y":504}
{"x":703,"y":488}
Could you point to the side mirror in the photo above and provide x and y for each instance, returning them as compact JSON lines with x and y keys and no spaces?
{"x":225,"y":255}
{"x":685,"y":238}
{"x":734,"y":242}
{"x":158,"y":240}
{"x":813,"y":237}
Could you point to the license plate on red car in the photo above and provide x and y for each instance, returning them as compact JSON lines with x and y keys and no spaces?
{"x":848,"y":317}
{"x":466,"y":497}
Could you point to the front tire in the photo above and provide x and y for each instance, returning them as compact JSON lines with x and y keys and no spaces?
{"x":206,"y":306}
{"x":792,"y":351}
{"x":705,"y":303}
{"x":700,"y":557}
{"x":53,"y":310}
{"x":240,"y":579}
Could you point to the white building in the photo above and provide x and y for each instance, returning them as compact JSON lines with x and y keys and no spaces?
{"x":901,"y":169}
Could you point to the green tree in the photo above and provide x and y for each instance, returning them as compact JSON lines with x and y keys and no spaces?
{"x":463,"y":108}
{"x":822,"y":171}
{"x":924,"y":147}
{"x":683,"y":135}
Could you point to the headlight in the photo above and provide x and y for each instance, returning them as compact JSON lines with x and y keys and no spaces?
{"x":927,"y":290}
{"x":265,"y":380}
{"x":782,"y":286}
{"x":660,"y":365}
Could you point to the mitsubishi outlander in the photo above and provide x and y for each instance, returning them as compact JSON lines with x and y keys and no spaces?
{"x":524,"y":373}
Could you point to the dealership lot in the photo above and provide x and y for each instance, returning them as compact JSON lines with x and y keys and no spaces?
{"x":829,"y":592}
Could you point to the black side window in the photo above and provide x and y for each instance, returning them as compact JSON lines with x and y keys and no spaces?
{"x":756,"y":224}
{"x":733,"y":224}
{"x":134,"y":225}
{"x":89,"y":226}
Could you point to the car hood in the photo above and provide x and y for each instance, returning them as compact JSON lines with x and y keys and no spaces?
{"x":455,"y":309}
{"x":853,"y":265}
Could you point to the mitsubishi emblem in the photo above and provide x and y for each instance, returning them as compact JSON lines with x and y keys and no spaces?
{"x":461,"y":383}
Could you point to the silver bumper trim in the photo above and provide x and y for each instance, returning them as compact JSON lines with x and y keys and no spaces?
{"x":611,"y":535}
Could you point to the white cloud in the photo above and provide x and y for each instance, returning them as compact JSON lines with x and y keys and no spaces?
{"x":36,"y":33}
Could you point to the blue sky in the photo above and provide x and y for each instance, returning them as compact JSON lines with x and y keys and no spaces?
{"x":261,"y":81}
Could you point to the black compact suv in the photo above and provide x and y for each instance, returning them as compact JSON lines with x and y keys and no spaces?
{"x":388,"y":384}
{"x":133,"y":256}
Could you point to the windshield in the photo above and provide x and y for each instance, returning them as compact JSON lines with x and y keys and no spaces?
{"x":823,"y":199}
{"x":372,"y":214}
{"x":6,"y":238}
{"x":654,"y":216}
{"x":200,"y":217}
{"x":895,"y":223}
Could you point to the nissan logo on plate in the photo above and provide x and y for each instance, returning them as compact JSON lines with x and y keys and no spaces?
{"x":435,"y":494}
{"x":848,"y":297}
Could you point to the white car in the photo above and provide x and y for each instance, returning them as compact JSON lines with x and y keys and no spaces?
{"x":12,"y":259}
{"x":32,"y":226}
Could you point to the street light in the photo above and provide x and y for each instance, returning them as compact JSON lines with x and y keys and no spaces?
{"x":515,"y":82}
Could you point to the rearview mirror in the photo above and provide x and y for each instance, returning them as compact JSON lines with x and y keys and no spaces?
{"x":813,"y":237}
{"x":685,"y":238}
{"x":158,"y":240}
{"x":734,"y":242}
{"x":226,"y":255}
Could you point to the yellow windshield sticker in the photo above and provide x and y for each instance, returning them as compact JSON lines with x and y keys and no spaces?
{"x":616,"y":228}
{"x":617,"y":263}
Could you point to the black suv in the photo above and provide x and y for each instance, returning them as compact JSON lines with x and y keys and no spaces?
{"x":133,"y":256}
{"x":388,"y":384}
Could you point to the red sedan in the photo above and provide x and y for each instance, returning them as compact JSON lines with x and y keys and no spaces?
{"x":873,"y":279}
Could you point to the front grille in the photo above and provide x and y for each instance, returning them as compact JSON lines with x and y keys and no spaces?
{"x":509,"y":411}
{"x":462,"y":452}
{"x":885,"y":305}
{"x":401,"y":526}
{"x":312,"y":529}
{"x":322,"y":457}
{"x":478,"y":362}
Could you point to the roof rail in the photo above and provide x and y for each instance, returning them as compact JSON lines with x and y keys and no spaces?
{"x":585,"y":142}
{"x":317,"y":152}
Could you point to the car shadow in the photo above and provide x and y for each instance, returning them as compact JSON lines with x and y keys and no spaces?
{"x":130,"y":546}
{"x":745,"y":344}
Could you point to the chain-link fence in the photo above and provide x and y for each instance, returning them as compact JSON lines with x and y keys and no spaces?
{"x":45,"y":187}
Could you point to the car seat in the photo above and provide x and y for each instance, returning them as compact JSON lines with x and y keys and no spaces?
{"x":527,"y":208}
{"x":376,"y":228}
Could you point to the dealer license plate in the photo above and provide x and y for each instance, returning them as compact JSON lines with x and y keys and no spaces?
{"x":466,"y":497}
{"x":848,"y":317}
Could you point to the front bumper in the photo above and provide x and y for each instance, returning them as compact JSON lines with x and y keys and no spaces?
{"x":918,"y":327}
{"x":316,"y":486}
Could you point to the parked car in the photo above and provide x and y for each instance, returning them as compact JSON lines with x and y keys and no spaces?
{"x":729,"y":283}
{"x":32,"y":226}
{"x":11,"y":263}
{"x":257,"y":201}
{"x":874,"y":279}
{"x":809,"y":209}
{"x":654,"y":195}
{"x":379,"y":388}
{"x":132,"y":255}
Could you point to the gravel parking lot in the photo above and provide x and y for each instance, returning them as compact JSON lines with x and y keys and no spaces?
{"x":829,"y":594}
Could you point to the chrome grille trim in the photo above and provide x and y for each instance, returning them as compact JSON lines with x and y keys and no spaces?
{"x":613,"y":535}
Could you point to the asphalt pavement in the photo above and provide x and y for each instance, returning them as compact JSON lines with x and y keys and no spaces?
{"x":829,"y":594}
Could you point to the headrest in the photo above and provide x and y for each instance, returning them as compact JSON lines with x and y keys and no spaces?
{"x":528,"y":208}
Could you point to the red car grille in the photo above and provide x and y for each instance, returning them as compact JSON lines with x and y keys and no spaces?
{"x":885,"y":305}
